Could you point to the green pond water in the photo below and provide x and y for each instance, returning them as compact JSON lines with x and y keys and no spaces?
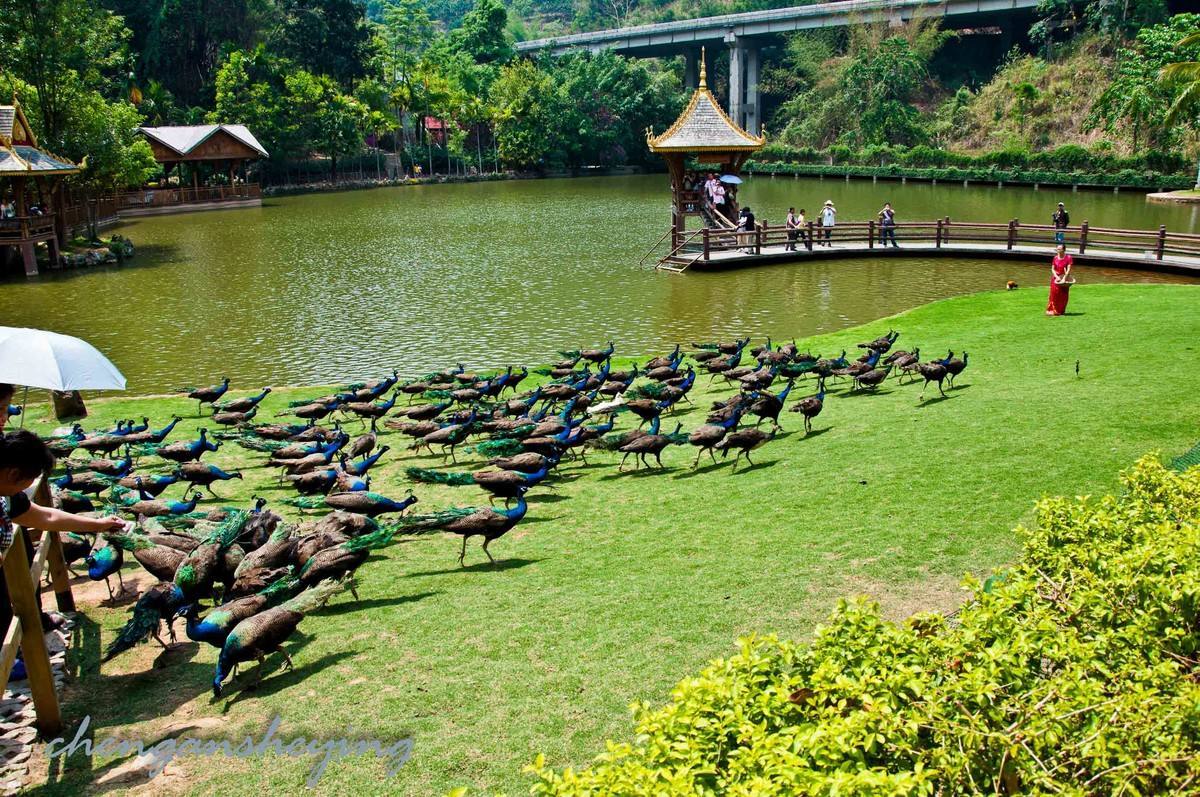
{"x":330,"y":287}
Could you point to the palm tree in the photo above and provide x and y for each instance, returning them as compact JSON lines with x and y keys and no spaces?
{"x":1187,"y":75}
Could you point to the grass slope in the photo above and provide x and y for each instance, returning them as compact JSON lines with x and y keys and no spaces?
{"x":617,"y":586}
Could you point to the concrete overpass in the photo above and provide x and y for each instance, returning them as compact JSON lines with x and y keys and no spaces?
{"x":746,"y":33}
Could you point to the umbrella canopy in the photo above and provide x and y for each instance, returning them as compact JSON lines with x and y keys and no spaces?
{"x":732,"y":179}
{"x":37,"y":358}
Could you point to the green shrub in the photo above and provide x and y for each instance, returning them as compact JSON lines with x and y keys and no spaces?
{"x":1076,"y":671}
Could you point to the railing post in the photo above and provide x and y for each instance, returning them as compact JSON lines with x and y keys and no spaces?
{"x":946,"y":230}
{"x":1162,"y":241}
{"x":808,"y":244}
{"x":33,"y":641}
{"x":758,"y":238}
{"x":939,"y":233}
{"x":871,"y":234}
{"x":1012,"y":233}
{"x":1083,"y":231}
{"x":706,"y":249}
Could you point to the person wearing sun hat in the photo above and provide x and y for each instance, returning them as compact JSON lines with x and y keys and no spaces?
{"x":828,"y":217}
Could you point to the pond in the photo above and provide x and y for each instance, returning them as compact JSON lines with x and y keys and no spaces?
{"x":328,"y":287}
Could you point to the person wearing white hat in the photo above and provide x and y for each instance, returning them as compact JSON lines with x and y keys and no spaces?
{"x":828,"y":218}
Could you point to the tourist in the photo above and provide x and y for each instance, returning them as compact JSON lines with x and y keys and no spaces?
{"x":8,"y":210}
{"x":802,"y":228}
{"x":718,"y":199}
{"x":1060,"y":282}
{"x":23,"y":458}
{"x":745,"y":226}
{"x":791,"y":224}
{"x":1061,"y":220}
{"x":828,"y":219}
{"x":887,"y":225}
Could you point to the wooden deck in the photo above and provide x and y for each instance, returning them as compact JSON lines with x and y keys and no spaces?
{"x":1149,"y":250}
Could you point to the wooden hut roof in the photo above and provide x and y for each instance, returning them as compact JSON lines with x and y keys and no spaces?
{"x":704,"y":127}
{"x":183,"y":139}
{"x":19,"y":152}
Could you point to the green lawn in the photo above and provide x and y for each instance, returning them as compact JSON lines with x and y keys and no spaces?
{"x":618,"y":586}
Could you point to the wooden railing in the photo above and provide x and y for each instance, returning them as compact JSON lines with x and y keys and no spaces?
{"x":77,"y":215}
{"x":183,"y":195}
{"x":24,"y":228}
{"x":25,"y":633}
{"x":1152,"y":244}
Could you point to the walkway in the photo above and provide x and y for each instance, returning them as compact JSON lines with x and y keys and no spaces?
{"x":1150,"y":250}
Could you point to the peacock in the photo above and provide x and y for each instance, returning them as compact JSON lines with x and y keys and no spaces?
{"x":159,"y":507}
{"x":300,"y":450}
{"x":810,"y":408}
{"x":361,"y":467}
{"x":364,"y":444}
{"x":208,"y":395}
{"x":263,"y":633}
{"x":105,"y":562}
{"x":932,"y":372}
{"x":344,"y":559}
{"x":188,"y":451}
{"x":244,"y":404}
{"x":651,"y":445}
{"x":362,"y":502}
{"x":448,"y":436}
{"x":871,"y":380}
{"x":371,"y":409}
{"x":230,"y":418}
{"x":745,"y":441}
{"x":113,"y":468}
{"x":955,"y":366}
{"x":87,"y":483}
{"x":159,"y":561}
{"x":706,"y":436}
{"x":159,"y":604}
{"x":497,"y":483}
{"x":486,"y":522}
{"x":314,"y":411}
{"x":881,"y":344}
{"x":152,"y":485}
{"x":214,"y":629}
{"x":767,"y":406}
{"x":204,"y":474}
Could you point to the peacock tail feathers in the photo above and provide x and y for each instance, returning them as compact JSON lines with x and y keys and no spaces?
{"x":144,"y":621}
{"x":516,"y":432}
{"x":305,"y":502}
{"x":317,"y":596}
{"x":300,"y":402}
{"x":144,"y":449}
{"x":569,"y":355}
{"x":647,"y":390}
{"x":280,"y":588}
{"x":130,"y":542}
{"x":410,"y":524}
{"x":229,"y":529}
{"x":436,"y":395}
{"x":497,"y":448}
{"x":255,"y":444}
{"x":677,"y":438}
{"x":371,"y":541}
{"x":542,"y":371}
{"x":611,"y":441}
{"x":429,"y":476}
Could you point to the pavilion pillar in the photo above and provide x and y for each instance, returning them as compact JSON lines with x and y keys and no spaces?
{"x":691,"y":70}
{"x":737,"y":54}
{"x":59,"y":205}
{"x":29,"y":256}
{"x":753,"y":96}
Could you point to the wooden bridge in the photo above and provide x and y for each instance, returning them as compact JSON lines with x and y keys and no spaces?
{"x":715,"y":248}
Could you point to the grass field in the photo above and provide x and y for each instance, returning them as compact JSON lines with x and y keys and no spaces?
{"x":617,"y":586}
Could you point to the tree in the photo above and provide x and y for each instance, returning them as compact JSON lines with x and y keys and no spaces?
{"x":523,"y":102}
{"x":482,"y":35}
{"x":1185,"y":77}
{"x":324,"y":37}
{"x":61,"y":48}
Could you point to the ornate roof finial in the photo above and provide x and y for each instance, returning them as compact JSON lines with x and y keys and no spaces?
{"x":703,"y":71}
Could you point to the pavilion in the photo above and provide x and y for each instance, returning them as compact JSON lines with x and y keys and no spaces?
{"x":705,"y":134}
{"x":31,"y":180}
{"x":217,"y":149}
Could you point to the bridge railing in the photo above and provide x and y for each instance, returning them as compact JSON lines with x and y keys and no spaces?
{"x":1151,"y":244}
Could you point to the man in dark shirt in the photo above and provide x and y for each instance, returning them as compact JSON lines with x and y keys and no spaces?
{"x":1062,"y":220}
{"x":746,"y":225}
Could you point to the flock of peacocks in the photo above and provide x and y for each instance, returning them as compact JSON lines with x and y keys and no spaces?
{"x":261,"y":575}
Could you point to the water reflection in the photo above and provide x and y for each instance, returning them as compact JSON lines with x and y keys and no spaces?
{"x":328,"y":287}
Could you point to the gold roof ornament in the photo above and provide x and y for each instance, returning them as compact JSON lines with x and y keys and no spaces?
{"x":704,"y":126}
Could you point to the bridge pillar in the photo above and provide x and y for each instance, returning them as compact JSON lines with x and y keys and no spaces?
{"x":752,"y":98}
{"x":737,"y":77}
{"x":691,"y":70}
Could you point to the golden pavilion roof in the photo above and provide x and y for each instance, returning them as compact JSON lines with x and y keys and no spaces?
{"x":19,"y":152}
{"x":704,"y":127}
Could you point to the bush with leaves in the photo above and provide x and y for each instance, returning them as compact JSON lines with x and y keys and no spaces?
{"x":1076,"y":671}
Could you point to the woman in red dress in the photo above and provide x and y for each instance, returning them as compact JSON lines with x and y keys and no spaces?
{"x":1060,"y":282}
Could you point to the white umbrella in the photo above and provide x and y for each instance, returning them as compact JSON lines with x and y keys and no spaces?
{"x":732,"y":179}
{"x":37,"y":358}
